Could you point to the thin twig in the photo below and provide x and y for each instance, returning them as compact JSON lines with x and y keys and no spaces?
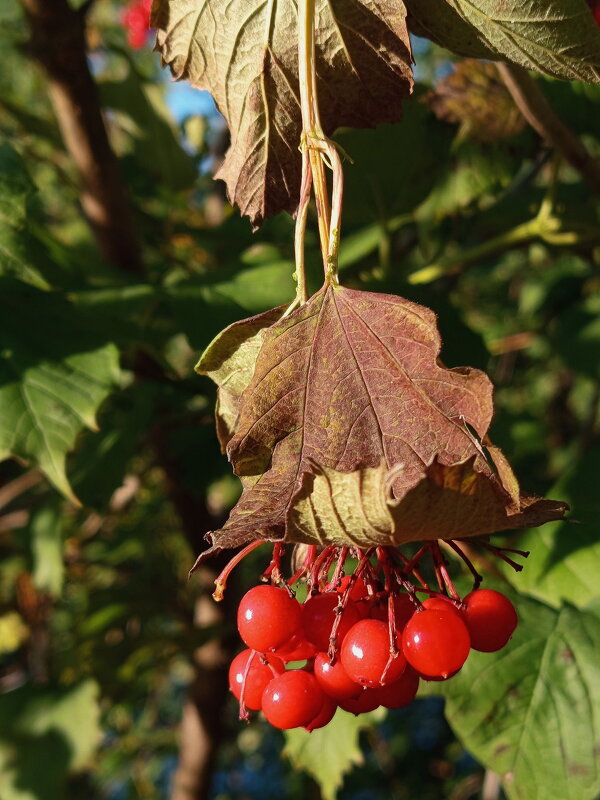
{"x":541,"y":116}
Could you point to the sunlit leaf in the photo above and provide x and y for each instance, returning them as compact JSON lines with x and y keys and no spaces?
{"x":328,"y":753}
{"x":54,"y":373}
{"x":245,"y":54}
{"x":557,"y":38}
{"x":537,"y":705}
{"x":352,"y":380}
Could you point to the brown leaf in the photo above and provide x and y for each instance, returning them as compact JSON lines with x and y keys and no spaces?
{"x":474,"y":96}
{"x":230,"y":360}
{"x":350,"y":380}
{"x":447,"y":502}
{"x":245,"y":53}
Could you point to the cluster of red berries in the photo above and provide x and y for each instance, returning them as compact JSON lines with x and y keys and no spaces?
{"x":136,"y":18}
{"x":362,"y":648}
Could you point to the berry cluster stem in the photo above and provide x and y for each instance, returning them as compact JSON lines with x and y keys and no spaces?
{"x":318,"y":151}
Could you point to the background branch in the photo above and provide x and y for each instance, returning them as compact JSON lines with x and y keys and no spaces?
{"x":57,"y":43}
{"x":538,"y":112}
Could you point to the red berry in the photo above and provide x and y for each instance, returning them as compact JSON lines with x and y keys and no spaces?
{"x":443,"y":604}
{"x":257,"y":677}
{"x":491,"y":619}
{"x":333,"y":678}
{"x":318,"y":617}
{"x":401,"y":692}
{"x":367,"y":700}
{"x":267,"y":617}
{"x":358,"y":591}
{"x":366,"y":651}
{"x":292,"y":700}
{"x":324,"y":716}
{"x":296,"y":649}
{"x":136,"y":18}
{"x":436,"y":642}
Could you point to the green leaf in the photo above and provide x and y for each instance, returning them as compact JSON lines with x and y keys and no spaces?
{"x":102,"y":457}
{"x":22,"y":255}
{"x":141,"y":112}
{"x":558,"y":38}
{"x":564,"y":559}
{"x":45,"y":734}
{"x":531,"y":711}
{"x":382,"y":181}
{"x":329,"y":753}
{"x":45,"y":530}
{"x":475,"y":173}
{"x":246,"y":55}
{"x":54,"y":374}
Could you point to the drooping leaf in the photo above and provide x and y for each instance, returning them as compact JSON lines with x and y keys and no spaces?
{"x":245,"y":54}
{"x":448,"y":502}
{"x":351,"y":380}
{"x":230,"y":360}
{"x":537,"y":713}
{"x":54,"y":373}
{"x":328,"y":753}
{"x":557,"y":38}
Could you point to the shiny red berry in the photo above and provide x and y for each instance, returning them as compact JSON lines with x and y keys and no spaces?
{"x":325,"y":715}
{"x":401,"y":692}
{"x":491,"y":619}
{"x":365,"y":654}
{"x":296,"y":649}
{"x":442,"y":604}
{"x":319,"y":615}
{"x":292,"y":700}
{"x":436,"y":643}
{"x":367,"y":700}
{"x":257,"y":676}
{"x":333,"y":678}
{"x":267,"y":617}
{"x":358,"y":591}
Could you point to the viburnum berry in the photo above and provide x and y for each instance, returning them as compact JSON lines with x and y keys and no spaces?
{"x":267,"y":618}
{"x":325,"y":715}
{"x":401,"y":692}
{"x":442,"y":604}
{"x":367,"y":700}
{"x":297,"y":648}
{"x":333,"y":678}
{"x":357,"y":592}
{"x":366,"y":655}
{"x":491,"y":619}
{"x":436,"y":643}
{"x":385,"y":640}
{"x":319,"y":615}
{"x":252,"y":677}
{"x":292,"y":700}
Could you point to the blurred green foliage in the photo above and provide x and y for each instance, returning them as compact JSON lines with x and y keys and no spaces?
{"x":97,"y":617}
